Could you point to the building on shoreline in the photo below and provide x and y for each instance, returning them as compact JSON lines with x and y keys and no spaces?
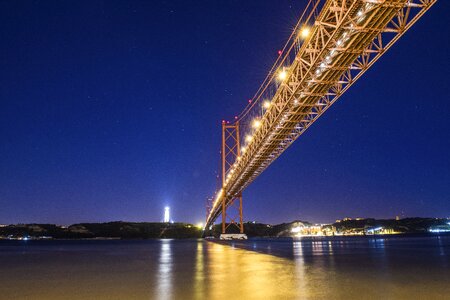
{"x":300,"y":229}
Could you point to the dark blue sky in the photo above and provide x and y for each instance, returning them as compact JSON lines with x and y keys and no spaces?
{"x":110,"y":110}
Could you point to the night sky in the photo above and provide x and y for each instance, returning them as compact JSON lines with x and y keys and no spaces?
{"x":111,"y":110}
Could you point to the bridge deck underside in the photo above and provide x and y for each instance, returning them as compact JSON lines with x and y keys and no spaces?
{"x":346,"y":39}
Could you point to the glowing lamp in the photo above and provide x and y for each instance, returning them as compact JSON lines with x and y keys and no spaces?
{"x":304,"y":33}
{"x":282,"y":75}
{"x":256,"y":123}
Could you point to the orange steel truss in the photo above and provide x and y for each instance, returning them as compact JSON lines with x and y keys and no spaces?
{"x":231,"y":150}
{"x":347,"y":37}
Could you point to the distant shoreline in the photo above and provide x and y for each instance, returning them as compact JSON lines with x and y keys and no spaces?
{"x":227,"y":242}
{"x":158,"y":230}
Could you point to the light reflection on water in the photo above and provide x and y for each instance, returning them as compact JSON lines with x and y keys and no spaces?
{"x":199,"y":272}
{"x":323,"y":268}
{"x":165,"y":270}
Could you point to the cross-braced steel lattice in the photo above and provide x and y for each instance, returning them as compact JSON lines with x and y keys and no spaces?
{"x":231,"y":150}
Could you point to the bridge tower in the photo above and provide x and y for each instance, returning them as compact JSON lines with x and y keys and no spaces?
{"x":231,"y":210}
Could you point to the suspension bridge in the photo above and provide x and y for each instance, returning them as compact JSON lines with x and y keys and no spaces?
{"x":332,"y":45}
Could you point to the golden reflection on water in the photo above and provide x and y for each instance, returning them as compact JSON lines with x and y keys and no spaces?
{"x":199,"y":272}
{"x":239,"y":274}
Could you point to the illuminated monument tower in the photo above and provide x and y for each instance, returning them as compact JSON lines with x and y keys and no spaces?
{"x":166,"y":214}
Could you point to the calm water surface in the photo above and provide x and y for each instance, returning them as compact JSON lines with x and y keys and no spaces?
{"x":320,"y":268}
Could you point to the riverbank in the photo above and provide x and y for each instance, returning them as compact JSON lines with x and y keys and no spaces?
{"x":159,"y":230}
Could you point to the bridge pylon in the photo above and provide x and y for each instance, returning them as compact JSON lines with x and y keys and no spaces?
{"x":232,"y":215}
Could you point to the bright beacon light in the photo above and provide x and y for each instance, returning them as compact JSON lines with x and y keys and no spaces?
{"x":248,"y":138}
{"x":266,"y":104}
{"x":166,"y":214}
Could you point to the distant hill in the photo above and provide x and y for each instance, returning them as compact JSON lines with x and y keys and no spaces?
{"x":123,"y":230}
{"x":147,"y":230}
{"x":406,"y":225}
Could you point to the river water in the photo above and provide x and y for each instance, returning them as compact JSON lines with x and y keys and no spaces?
{"x":309,"y":268}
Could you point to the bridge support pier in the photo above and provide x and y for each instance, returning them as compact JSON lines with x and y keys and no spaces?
{"x":230,"y":219}
{"x":231,"y":150}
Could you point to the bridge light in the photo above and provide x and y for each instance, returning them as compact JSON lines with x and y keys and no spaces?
{"x":219,"y":194}
{"x":267,"y":104}
{"x":200,"y":225}
{"x":360,"y":15}
{"x":304,"y":32}
{"x":282,"y":75}
{"x":256,"y":123}
{"x":238,"y":158}
{"x":248,"y":138}
{"x":243,"y":149}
